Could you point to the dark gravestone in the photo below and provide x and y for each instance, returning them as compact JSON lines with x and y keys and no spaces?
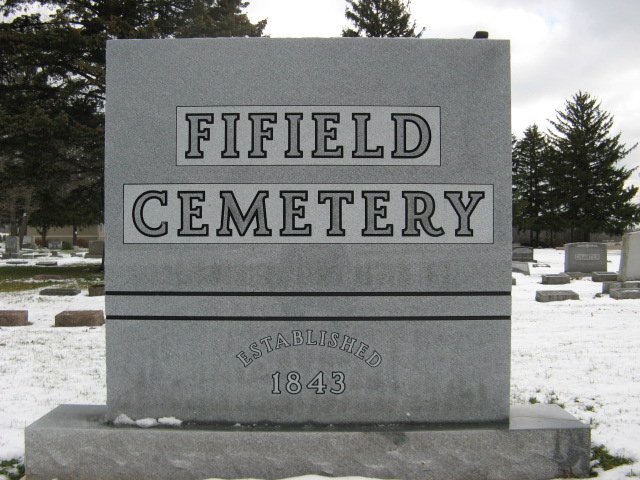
{"x":47,"y":264}
{"x":522,"y":254}
{"x":585,"y":257}
{"x":96,"y":290}
{"x":60,"y":291}
{"x":14,"y":318}
{"x":80,"y":318}
{"x":96,"y":249}
{"x":50,"y":277}
{"x":12,"y":244}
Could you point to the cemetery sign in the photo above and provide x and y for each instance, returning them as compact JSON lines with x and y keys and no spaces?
{"x":301,"y":245}
{"x":308,"y":251}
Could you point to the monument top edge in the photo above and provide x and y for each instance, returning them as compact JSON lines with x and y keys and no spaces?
{"x":325,"y":40}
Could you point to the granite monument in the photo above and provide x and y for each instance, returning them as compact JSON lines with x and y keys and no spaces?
{"x":309,"y":251}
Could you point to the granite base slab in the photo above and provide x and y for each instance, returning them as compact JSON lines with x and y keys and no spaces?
{"x":73,"y":442}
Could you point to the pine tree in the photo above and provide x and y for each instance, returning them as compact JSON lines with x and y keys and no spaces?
{"x":533,"y":206}
{"x":52,"y":86}
{"x":589,"y":183}
{"x":380,"y":18}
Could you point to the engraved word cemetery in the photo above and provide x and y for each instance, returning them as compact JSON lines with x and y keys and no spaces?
{"x":308,"y":263}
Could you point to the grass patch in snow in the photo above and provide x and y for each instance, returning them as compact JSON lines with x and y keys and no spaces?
{"x":601,"y":458}
{"x":20,"y":278}
{"x":12,"y":469}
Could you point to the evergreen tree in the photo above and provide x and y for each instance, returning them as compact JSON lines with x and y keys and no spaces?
{"x":588,"y":182}
{"x":52,"y":87}
{"x":531,"y":191}
{"x":380,"y":18}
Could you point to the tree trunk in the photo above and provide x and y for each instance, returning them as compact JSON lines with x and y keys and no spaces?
{"x":13,"y":222}
{"x":43,"y":234}
{"x":75,"y":235}
{"x":22,"y":230}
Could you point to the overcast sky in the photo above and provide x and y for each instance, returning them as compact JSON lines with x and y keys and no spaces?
{"x":558,"y":47}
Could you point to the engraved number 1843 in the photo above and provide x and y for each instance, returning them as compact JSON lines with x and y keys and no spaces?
{"x":293,"y":383}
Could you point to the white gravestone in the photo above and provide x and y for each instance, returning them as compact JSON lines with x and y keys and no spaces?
{"x":630,"y":258}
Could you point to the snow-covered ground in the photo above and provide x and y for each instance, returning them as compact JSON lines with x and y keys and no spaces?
{"x":582,"y":354}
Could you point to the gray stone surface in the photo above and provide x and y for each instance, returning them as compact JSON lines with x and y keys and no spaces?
{"x":555,"y":279}
{"x":630,"y":257}
{"x":458,"y":355}
{"x":60,"y":291}
{"x":624,"y":293}
{"x":520,"y":267}
{"x":14,"y":318}
{"x":585,"y":257}
{"x":556,"y":295}
{"x":604,"y":277}
{"x":513,"y":281}
{"x":17,"y":262}
{"x":522,"y":254}
{"x":541,"y":442}
{"x":606,"y":286}
{"x":631,"y":284}
{"x":433,"y":309}
{"x":96,"y":249}
{"x":80,"y":318}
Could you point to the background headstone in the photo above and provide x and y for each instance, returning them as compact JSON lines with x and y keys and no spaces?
{"x":80,"y":318}
{"x":604,"y":276}
{"x":96,"y":290}
{"x":14,"y":318}
{"x":585,"y":257}
{"x":520,"y":267}
{"x":625,"y":293}
{"x":69,"y":292}
{"x":630,"y":258}
{"x":556,"y":295}
{"x":522,"y":254}
{"x":96,"y":249}
{"x":555,"y":279}
{"x":12,"y":244}
{"x":55,"y":245}
{"x":606,"y":286}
